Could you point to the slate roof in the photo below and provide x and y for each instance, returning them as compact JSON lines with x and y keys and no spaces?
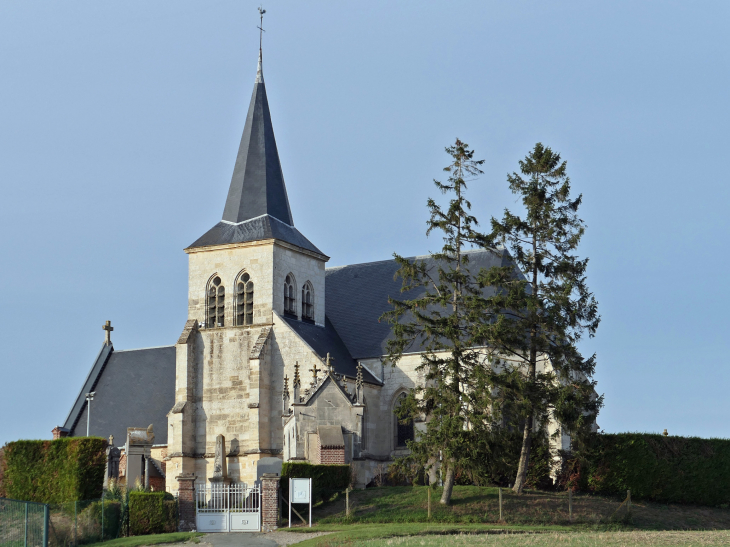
{"x":134,"y":388}
{"x":325,"y":340}
{"x":257,"y":195}
{"x":264,"y":227}
{"x":357,"y":295}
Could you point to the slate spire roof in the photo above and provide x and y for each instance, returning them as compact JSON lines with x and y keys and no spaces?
{"x":257,"y":206}
{"x":257,"y":186}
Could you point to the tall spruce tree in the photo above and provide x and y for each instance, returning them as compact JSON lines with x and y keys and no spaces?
{"x":538,"y":319}
{"x":441,"y":321}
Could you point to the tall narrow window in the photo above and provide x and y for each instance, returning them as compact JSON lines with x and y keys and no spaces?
{"x":290,"y":302}
{"x":403,"y":431}
{"x":244,"y":300}
{"x":307,"y":302}
{"x":216,"y":303}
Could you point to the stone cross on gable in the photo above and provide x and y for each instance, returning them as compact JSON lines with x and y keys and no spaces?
{"x":108,"y":328}
{"x":314,"y":371}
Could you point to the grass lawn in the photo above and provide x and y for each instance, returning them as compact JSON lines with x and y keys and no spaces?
{"x":473,"y":504}
{"x":549,"y":539}
{"x":154,"y":539}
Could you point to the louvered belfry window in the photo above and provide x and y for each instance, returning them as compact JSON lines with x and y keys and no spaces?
{"x":290,"y":303}
{"x":244,"y":300}
{"x":307,"y":302}
{"x":216,"y":303}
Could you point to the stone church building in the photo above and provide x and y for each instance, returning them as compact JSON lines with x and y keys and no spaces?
{"x":280,"y":354}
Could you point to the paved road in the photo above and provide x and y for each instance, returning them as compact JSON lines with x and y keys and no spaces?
{"x":241,"y":539}
{"x":248,"y":539}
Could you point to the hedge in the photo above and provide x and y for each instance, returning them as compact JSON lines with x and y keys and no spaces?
{"x":325,"y":478}
{"x":658,"y":468}
{"x":151,"y":513}
{"x":68,"y":469}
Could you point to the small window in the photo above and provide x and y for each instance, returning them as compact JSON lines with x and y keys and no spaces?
{"x":403,"y":431}
{"x":216,"y":303}
{"x":307,"y":302}
{"x":290,"y":302}
{"x":244,"y":300}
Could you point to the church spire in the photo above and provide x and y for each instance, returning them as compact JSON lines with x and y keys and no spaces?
{"x":257,"y":186}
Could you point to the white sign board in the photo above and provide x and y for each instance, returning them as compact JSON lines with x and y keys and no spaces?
{"x":300,"y":491}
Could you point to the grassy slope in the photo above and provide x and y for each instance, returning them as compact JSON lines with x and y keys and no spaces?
{"x":471,"y":504}
{"x":395,"y":513}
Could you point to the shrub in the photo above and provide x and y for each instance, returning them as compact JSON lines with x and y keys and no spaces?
{"x":58,"y":471}
{"x":326,"y":479}
{"x":151,"y":513}
{"x":657,"y":468}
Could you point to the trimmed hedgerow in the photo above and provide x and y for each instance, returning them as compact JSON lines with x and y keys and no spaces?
{"x":658,"y":468}
{"x":151,"y":513}
{"x":326,"y":479}
{"x":58,"y":471}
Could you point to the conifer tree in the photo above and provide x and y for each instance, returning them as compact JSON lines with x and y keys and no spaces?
{"x":441,"y":321}
{"x":540,"y":317}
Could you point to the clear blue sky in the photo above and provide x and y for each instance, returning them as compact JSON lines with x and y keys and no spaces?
{"x":120,"y":121}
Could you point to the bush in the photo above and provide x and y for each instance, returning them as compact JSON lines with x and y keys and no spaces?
{"x":57,"y":471}
{"x":657,"y":468}
{"x":326,"y":479}
{"x":151,"y":513}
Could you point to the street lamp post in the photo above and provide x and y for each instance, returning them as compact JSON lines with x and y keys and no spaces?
{"x":89,"y":398}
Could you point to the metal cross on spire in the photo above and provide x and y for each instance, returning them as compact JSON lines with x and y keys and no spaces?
{"x":261,"y":26}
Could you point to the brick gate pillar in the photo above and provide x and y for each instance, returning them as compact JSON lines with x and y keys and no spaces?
{"x":269,"y":502}
{"x":186,"y":501}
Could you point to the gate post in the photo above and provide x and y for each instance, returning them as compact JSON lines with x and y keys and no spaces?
{"x":186,"y":502}
{"x":269,"y":502}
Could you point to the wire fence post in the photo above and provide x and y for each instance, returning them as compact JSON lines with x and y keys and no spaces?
{"x":500,"y":504}
{"x":429,"y":502}
{"x":102,"y":516}
{"x":46,"y":517}
{"x":75,"y":522}
{"x":25,"y":541}
{"x":628,"y":498}
{"x":570,"y":504}
{"x":347,"y":501}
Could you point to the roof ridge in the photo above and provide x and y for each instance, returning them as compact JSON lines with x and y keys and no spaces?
{"x":417,"y":257}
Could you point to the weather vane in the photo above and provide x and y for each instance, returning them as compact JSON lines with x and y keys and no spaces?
{"x":261,"y":25}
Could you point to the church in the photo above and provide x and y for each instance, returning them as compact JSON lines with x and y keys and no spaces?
{"x":280,"y":356}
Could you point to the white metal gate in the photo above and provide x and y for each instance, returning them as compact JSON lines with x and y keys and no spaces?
{"x":228,"y":508}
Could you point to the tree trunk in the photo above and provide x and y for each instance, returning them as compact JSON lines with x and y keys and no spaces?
{"x":524,"y":457}
{"x":448,"y":484}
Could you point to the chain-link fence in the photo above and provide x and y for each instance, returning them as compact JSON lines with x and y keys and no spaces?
{"x":81,"y":522}
{"x":23,"y":523}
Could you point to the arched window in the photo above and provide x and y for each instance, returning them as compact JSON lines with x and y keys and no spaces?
{"x":216,"y":298}
{"x":244,"y":300}
{"x":290,"y":301}
{"x":403,"y":431}
{"x":307,"y":302}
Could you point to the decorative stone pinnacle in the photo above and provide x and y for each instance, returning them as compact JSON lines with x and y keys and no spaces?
{"x":297,"y":381}
{"x":358,"y":379}
{"x":328,"y":363}
{"x":285,"y":393}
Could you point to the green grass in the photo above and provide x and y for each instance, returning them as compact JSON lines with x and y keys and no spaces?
{"x":154,"y":539}
{"x":479,"y":505}
{"x":356,"y":534}
{"x":586,"y":539}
